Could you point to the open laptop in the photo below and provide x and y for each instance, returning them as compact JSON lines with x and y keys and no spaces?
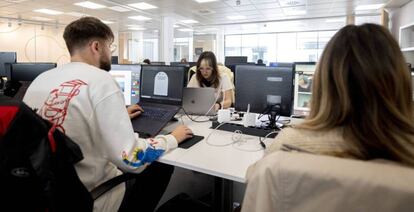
{"x":199,"y":101}
{"x":160,"y":97}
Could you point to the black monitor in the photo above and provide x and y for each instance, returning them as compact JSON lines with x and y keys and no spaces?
{"x":128,"y":79}
{"x":114,"y":60}
{"x":179,"y":64}
{"x":6,"y":57}
{"x":157,"y":63}
{"x":162,"y":84}
{"x":276,"y":64}
{"x":235,"y":60}
{"x":266,"y":89}
{"x":192,"y":64}
{"x":28,"y":71}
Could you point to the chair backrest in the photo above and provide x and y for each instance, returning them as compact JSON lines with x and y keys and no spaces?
{"x":37,"y":164}
{"x":285,"y":181}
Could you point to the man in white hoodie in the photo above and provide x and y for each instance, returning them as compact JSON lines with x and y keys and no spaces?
{"x":82,"y":100}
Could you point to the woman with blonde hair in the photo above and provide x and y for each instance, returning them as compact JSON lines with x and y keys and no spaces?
{"x":361,"y":106}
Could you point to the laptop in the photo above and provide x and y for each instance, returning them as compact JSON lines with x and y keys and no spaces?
{"x":161,"y":96}
{"x":199,"y":101}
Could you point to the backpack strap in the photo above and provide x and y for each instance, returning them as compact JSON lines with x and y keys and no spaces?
{"x":51,"y":139}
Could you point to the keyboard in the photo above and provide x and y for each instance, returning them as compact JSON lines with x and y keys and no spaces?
{"x":155,"y":113}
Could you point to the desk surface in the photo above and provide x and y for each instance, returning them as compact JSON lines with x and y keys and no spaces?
{"x":227,"y":162}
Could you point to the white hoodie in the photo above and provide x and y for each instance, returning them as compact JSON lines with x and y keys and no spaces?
{"x":88,"y":106}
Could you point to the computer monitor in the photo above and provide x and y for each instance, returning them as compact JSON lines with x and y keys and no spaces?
{"x":22,"y":75}
{"x":235,"y":60}
{"x":303,"y":86}
{"x":128,"y":79}
{"x":114,"y":60}
{"x":157,"y":63}
{"x":179,"y":64}
{"x":276,"y":64}
{"x":162,"y":84}
{"x":6,"y":57}
{"x":265,"y":89}
{"x":28,"y":71}
{"x":192,"y":64}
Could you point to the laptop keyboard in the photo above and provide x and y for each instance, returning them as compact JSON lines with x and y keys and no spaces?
{"x":155,"y":113}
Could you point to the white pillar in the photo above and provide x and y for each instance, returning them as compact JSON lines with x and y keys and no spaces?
{"x":220,"y":46}
{"x":167,"y":39}
{"x":137,"y":49}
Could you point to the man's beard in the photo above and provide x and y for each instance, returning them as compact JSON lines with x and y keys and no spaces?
{"x":104,"y":64}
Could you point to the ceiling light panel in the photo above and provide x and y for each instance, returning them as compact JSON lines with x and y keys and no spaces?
{"x":369,"y":7}
{"x":139,"y":18}
{"x":136,"y":28}
{"x":143,"y":6}
{"x":236,"y":17}
{"x":185,"y":30}
{"x":49,"y":12}
{"x":90,"y":5}
{"x":189,"y":21}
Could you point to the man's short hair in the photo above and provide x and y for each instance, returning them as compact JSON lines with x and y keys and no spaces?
{"x":78,"y":33}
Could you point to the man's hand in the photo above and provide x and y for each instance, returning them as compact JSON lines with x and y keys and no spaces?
{"x":134,"y":111}
{"x":181,"y":133}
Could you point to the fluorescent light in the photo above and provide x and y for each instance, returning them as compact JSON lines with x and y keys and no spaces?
{"x":236,"y":17}
{"x":369,"y":7}
{"x":175,"y":26}
{"x":204,"y":1}
{"x":189,"y":21}
{"x":119,"y":9}
{"x":139,"y":18}
{"x":76,"y":14}
{"x":185,"y":30}
{"x":143,"y":6}
{"x":107,"y":22}
{"x":335,"y":20}
{"x":199,"y":33}
{"x":136,"y":28}
{"x":90,"y":5}
{"x":38,"y":18}
{"x":49,"y":12}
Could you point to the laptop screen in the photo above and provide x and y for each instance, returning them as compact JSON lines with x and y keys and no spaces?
{"x":162,"y":84}
{"x":128,"y":79}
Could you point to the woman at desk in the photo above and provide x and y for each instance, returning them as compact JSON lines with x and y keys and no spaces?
{"x":207,"y":75}
{"x":361,"y":106}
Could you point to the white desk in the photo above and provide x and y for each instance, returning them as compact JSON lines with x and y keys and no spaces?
{"x":226,"y":163}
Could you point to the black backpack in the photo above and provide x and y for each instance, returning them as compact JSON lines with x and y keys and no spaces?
{"x":37,"y":164}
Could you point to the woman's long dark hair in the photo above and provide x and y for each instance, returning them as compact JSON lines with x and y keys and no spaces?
{"x":211,"y":60}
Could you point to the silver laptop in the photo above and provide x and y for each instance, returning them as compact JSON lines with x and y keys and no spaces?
{"x":199,"y":101}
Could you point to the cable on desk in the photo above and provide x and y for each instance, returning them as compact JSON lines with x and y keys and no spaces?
{"x":214,"y":130}
{"x":266,"y":136}
{"x":195,"y":120}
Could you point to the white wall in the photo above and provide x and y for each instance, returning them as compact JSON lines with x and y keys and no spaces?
{"x":400,"y":17}
{"x":34,"y":43}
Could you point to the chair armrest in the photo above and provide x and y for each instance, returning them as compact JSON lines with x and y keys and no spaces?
{"x":109,"y":184}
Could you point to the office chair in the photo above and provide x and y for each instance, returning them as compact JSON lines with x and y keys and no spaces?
{"x":37,"y":165}
{"x":284,"y":181}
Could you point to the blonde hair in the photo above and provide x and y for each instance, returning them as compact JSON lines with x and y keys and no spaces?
{"x":362,"y":84}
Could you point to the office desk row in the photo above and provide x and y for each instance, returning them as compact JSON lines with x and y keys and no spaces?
{"x":226,"y":163}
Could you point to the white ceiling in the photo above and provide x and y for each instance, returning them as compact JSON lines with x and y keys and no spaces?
{"x":213,"y":13}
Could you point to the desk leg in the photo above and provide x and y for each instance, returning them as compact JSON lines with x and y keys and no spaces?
{"x":223,"y":195}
